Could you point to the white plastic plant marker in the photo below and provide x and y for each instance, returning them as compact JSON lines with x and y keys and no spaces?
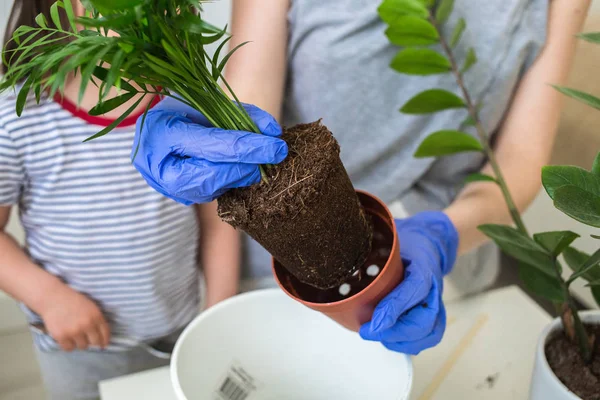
{"x":264,"y":346}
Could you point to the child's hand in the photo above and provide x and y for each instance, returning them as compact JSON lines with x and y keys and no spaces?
{"x":74,"y":321}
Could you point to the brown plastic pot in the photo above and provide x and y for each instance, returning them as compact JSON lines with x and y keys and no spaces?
{"x":356,"y":310}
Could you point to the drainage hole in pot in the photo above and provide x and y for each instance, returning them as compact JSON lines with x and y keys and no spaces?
{"x":345,"y":288}
{"x":373,"y":270}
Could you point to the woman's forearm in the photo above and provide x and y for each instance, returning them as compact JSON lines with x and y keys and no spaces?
{"x":256,"y":71}
{"x":526,"y":139}
{"x":220,"y":249}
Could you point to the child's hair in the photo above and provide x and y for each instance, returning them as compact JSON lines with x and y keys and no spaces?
{"x":23,"y":13}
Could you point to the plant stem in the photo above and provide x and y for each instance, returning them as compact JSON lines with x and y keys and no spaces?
{"x":514,"y":212}
{"x":571,"y":322}
{"x":582,"y":337}
{"x":569,"y":313}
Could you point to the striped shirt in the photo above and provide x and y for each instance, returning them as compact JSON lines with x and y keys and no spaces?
{"x":91,"y":220}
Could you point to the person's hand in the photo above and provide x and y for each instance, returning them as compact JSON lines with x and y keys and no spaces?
{"x":73,"y":320}
{"x":412,"y":317}
{"x":183,"y":157}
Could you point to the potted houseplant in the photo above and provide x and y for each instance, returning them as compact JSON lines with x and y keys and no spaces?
{"x":305,"y":211}
{"x":568,"y":354}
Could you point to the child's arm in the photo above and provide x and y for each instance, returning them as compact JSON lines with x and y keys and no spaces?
{"x":72,"y":319}
{"x":219,"y":253}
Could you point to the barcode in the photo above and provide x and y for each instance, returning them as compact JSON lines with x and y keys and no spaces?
{"x":231,"y":389}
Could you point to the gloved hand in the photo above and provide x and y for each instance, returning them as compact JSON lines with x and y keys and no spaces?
{"x":184,"y":157}
{"x":412,"y":317}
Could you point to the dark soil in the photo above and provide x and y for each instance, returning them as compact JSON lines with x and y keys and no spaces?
{"x":380,"y":251}
{"x":566,"y":362}
{"x":307,"y":215}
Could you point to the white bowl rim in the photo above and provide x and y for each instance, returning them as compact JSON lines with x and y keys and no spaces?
{"x":236,"y":299}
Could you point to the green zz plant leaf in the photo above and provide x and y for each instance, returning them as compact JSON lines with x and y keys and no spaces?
{"x":575,"y":191}
{"x":577,"y":261}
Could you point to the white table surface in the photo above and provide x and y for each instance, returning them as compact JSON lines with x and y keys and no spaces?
{"x":487,"y":353}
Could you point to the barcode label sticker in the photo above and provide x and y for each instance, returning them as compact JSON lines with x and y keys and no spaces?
{"x":236,"y":385}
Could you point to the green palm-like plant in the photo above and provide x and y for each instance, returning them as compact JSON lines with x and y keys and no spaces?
{"x":415,"y":25}
{"x":147,"y":47}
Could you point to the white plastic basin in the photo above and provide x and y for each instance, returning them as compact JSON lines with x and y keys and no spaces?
{"x":265,"y":346}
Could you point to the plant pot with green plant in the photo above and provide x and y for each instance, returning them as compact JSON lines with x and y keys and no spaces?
{"x":568,"y":354}
{"x":305,"y":211}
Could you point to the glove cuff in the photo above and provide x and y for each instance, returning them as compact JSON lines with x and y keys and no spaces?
{"x":441,"y":232}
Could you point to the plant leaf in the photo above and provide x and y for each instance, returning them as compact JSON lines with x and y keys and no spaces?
{"x":111,"y":104}
{"x":431,"y":101}
{"x":113,"y":78}
{"x":413,"y":61}
{"x":596,"y":166}
{"x":586,"y":267}
{"x":91,"y":68}
{"x":555,"y":242}
{"x":109,"y":22}
{"x":226,"y":58}
{"x":41,"y":21}
{"x":548,"y":287}
{"x":55,"y":15}
{"x":21,"y":30}
{"x":478,"y":177}
{"x":444,"y":10}
{"x":583,"y":97}
{"x":38,"y":93}
{"x":68,"y":6}
{"x":23,"y":93}
{"x":521,"y":247}
{"x":458,"y":31}
{"x":137,"y":146}
{"x":116,"y":122}
{"x":578,"y":204}
{"x":442,"y":143}
{"x":126,"y":47}
{"x":593,"y":37}
{"x":556,"y":176}
{"x":595,"y":236}
{"x":412,"y":31}
{"x":469,"y":120}
{"x":101,"y":73}
{"x":390,"y":10}
{"x":596,"y":294}
{"x":470,"y":60}
{"x":215,"y":61}
{"x":112,"y":5}
{"x":575,"y":259}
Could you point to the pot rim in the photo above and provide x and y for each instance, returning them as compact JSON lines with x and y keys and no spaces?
{"x":553,"y":326}
{"x":323,"y":307}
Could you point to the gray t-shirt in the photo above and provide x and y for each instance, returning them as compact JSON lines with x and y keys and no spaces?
{"x":338,"y":70}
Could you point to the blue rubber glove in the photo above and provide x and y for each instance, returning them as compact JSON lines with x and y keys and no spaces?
{"x":412,"y":317}
{"x":184,"y":157}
